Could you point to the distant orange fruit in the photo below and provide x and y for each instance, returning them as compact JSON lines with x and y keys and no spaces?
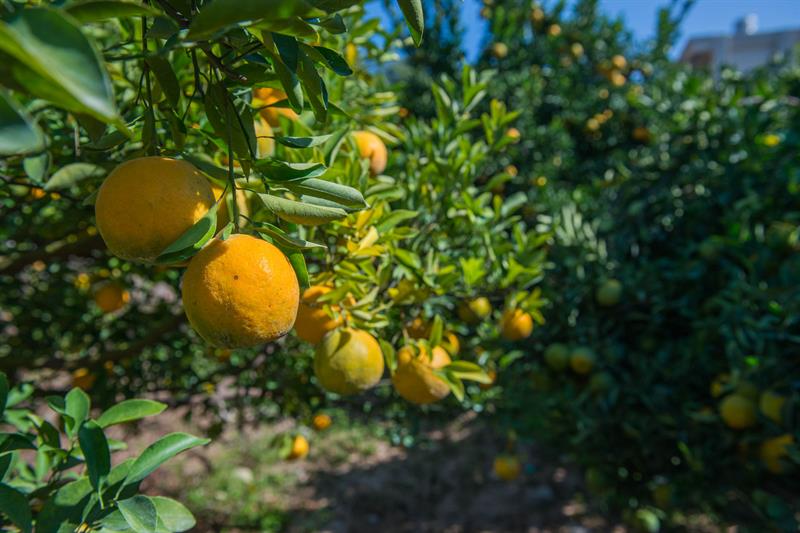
{"x":348,"y":361}
{"x":83,"y":378}
{"x":299,"y":448}
{"x":266,"y":96}
{"x":514,"y":134}
{"x":371,"y":147}
{"x":321,"y":422}
{"x":737,"y":411}
{"x":111,"y":296}
{"x":507,"y":467}
{"x":419,"y":328}
{"x":313,"y":319}
{"x":516,"y":324}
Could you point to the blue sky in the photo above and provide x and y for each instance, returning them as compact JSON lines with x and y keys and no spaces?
{"x":706,"y":17}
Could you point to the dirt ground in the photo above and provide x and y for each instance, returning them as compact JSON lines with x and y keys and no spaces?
{"x":355,"y":482}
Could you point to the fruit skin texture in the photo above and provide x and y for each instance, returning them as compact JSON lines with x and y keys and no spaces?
{"x":414,"y":379}
{"x":507,"y":467}
{"x":609,"y":293}
{"x":737,"y":411}
{"x":581,"y":360}
{"x":265,"y":96}
{"x":557,"y":356}
{"x":516,"y":325}
{"x":371,"y":146}
{"x":111,"y":297}
{"x":313,"y":320}
{"x":475,"y":310}
{"x":771,"y":406}
{"x":145,"y":204}
{"x":348,"y":361}
{"x":299,"y":448}
{"x":321,"y":422}
{"x":240,"y":292}
{"x":773,"y":450}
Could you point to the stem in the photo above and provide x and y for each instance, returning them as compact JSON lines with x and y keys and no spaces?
{"x":152,"y":149}
{"x":231,"y":177}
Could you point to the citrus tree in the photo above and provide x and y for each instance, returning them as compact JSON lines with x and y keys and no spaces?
{"x":666,"y":367}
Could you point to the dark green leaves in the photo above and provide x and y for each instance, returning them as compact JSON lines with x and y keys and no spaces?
{"x":95,"y":452}
{"x":56,"y":62}
{"x":301,"y":212}
{"x":166,"y":78}
{"x":328,"y":190}
{"x":277,"y":170}
{"x":159,"y":452}
{"x":232,"y":121}
{"x":128,"y":411}
{"x":140,"y":513}
{"x":14,"y":504}
{"x":284,"y":239}
{"x":192,"y":240}
{"x":19,"y":134}
{"x":412,"y":11}
{"x":302,"y":142}
{"x":96,"y":10}
{"x":69,"y":175}
{"x":219,"y":14}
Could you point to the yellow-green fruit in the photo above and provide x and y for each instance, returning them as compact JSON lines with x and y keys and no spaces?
{"x":348,"y":361}
{"x":600,"y":383}
{"x":771,"y":406}
{"x":371,"y":147}
{"x":499,"y":50}
{"x":737,"y":411}
{"x":609,"y":293}
{"x":507,"y":467}
{"x":145,"y":204}
{"x":474,"y":310}
{"x":516,"y":324}
{"x":240,"y":292}
{"x":313,"y":320}
{"x":299,"y":448}
{"x":557,"y":356}
{"x":581,"y":360}
{"x":414,"y":379}
{"x":773,"y":452}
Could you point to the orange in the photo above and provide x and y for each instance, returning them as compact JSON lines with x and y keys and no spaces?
{"x":299,"y":448}
{"x":771,"y":405}
{"x":111,"y":296}
{"x":371,"y":147}
{"x":313,"y":319}
{"x":82,"y":378}
{"x":321,"y":422}
{"x":581,"y":360}
{"x":414,"y":379}
{"x":266,"y":96}
{"x":145,"y":204}
{"x":499,"y":50}
{"x":516,"y":324}
{"x":773,"y":451}
{"x":507,"y":467}
{"x":737,"y":411}
{"x":240,"y":292}
{"x":514,"y":134}
{"x":348,"y":361}
{"x":473,"y":311}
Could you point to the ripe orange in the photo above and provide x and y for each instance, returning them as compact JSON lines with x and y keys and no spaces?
{"x":773,"y":452}
{"x":473,"y":311}
{"x":371,"y":147}
{"x":321,"y":421}
{"x":348,"y":361}
{"x":145,"y":204}
{"x":516,"y":324}
{"x":240,"y":292}
{"x":266,"y":96}
{"x":299,"y":448}
{"x":414,"y":379}
{"x":111,"y":296}
{"x":313,"y":319}
{"x":771,"y":406}
{"x":514,"y":134}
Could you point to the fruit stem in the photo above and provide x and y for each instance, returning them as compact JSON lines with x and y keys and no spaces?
{"x":151,"y":148}
{"x":231,"y":177}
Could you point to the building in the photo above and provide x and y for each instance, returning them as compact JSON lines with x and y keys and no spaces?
{"x":745,"y":49}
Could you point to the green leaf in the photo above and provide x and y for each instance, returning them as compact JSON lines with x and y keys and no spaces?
{"x":469,"y":371}
{"x":301,"y":212}
{"x":288,"y":49}
{"x":302,"y":142}
{"x":77,"y":407}
{"x":71,"y":174}
{"x":97,"y":10}
{"x":207,"y":166}
{"x":334,"y":25}
{"x":192,"y":239}
{"x":289,"y":82}
{"x":393,"y":219}
{"x":172,"y":515}
{"x":412,"y":11}
{"x":53,"y":47}
{"x":277,"y":170}
{"x":314,"y":88}
{"x":231,"y":123}
{"x":140,"y":513}
{"x":283,"y":238}
{"x":329,"y":58}
{"x":388,"y":355}
{"x":219,"y":14}
{"x":455,"y":384}
{"x":159,"y":452}
{"x":166,"y":78}
{"x":328,"y":190}
{"x":298,"y":262}
{"x":36,"y":167}
{"x":435,"y":338}
{"x":66,"y":505}
{"x":128,"y":411}
{"x":95,"y":452}
{"x":14,"y":504}
{"x":19,"y":133}
{"x":14,"y":441}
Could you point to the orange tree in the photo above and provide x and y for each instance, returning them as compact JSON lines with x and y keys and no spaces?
{"x":668,"y":364}
{"x":214,"y":203}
